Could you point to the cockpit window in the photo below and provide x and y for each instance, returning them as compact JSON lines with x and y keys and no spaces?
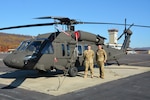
{"x":48,"y":49}
{"x":80,"y":50}
{"x":23,"y":45}
{"x":34,"y":46}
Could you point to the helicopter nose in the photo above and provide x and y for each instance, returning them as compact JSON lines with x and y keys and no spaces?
{"x":13,"y":62}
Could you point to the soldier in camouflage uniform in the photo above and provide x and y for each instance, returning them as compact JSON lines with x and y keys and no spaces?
{"x":88,"y":61}
{"x":101,"y":58}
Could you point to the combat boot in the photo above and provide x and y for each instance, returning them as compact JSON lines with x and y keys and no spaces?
{"x":102,"y":77}
{"x":92,"y":76}
{"x":85,"y":76}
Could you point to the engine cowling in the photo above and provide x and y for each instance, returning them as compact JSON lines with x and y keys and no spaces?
{"x":86,"y":36}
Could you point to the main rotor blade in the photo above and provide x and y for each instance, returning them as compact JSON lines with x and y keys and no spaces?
{"x":112,"y":24}
{"x":24,"y":26}
{"x":51,"y":17}
{"x":62,"y":19}
{"x":142,"y":26}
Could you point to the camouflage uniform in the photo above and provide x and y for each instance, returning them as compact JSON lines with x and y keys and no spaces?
{"x":88,"y":57}
{"x":101,"y":57}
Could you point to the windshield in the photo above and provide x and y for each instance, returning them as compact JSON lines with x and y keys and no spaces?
{"x":23,"y":45}
{"x":34,"y":46}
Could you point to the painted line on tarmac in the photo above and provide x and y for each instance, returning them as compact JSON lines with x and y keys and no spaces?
{"x":1,"y":59}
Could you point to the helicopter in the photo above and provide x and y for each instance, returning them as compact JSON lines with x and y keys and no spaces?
{"x":63,"y":49}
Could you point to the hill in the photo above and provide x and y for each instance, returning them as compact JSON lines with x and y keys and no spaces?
{"x":11,"y":41}
{"x":142,"y":48}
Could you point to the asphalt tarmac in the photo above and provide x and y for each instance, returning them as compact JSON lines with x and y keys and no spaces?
{"x":126,"y":86}
{"x":135,"y":60}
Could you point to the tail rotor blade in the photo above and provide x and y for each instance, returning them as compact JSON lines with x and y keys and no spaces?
{"x":121,"y":35}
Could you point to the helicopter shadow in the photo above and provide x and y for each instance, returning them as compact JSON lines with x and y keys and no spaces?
{"x":21,"y":75}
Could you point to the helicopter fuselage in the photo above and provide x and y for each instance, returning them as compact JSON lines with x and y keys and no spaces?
{"x":56,"y":50}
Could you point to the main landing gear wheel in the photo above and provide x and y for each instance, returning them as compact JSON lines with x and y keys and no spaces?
{"x":73,"y":71}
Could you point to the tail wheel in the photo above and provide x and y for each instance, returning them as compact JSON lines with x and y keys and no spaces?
{"x":73,"y":71}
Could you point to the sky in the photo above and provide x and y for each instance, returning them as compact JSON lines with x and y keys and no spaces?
{"x":22,"y":12}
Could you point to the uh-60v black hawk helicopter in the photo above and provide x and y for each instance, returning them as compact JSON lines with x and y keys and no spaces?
{"x":63,"y":49}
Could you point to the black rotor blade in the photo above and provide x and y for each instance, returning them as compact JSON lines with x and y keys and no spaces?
{"x":112,"y":24}
{"x":100,"y":23}
{"x":31,"y":25}
{"x":48,"y":17}
{"x":121,"y":35}
{"x":125,"y":23}
{"x":51,"y":17}
{"x":125,"y":30}
{"x":142,"y":26}
{"x":62,"y":19}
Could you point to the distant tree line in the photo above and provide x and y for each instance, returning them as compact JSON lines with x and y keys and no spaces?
{"x":11,"y":41}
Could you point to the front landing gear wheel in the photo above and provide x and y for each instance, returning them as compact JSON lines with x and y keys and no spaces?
{"x":73,"y":71}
